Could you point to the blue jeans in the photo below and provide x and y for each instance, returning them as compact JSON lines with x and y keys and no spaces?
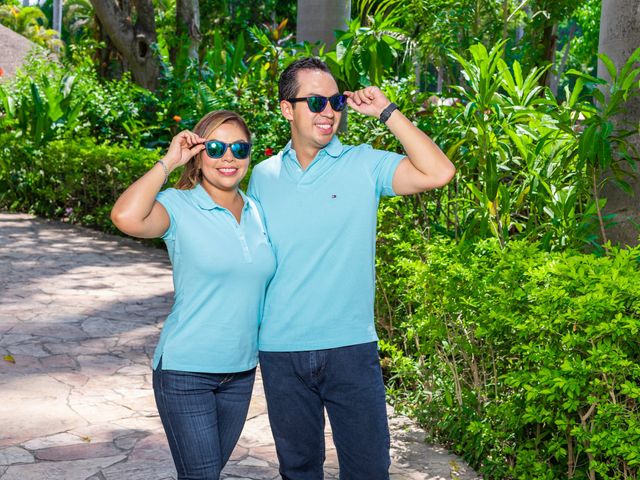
{"x":202,"y":415}
{"x":347,"y":381}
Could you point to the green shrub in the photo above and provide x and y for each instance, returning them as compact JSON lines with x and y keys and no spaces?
{"x":77,"y":180}
{"x":48,"y":100}
{"x":524,"y":361}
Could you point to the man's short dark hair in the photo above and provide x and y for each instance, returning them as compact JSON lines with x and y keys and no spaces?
{"x":288,"y":84}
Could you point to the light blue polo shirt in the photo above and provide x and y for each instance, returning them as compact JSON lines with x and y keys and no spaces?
{"x":220,"y":272}
{"x":322,"y":225}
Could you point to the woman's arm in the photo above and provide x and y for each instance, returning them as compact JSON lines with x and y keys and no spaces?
{"x":136,"y":211}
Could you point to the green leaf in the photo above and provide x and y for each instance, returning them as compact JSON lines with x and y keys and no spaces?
{"x":608,"y":63}
{"x":586,"y":77}
{"x":575,"y":94}
{"x":630,"y":79}
{"x":491,"y":177}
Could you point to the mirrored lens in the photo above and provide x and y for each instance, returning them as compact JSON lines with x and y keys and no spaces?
{"x":317,"y":104}
{"x":215,"y":149}
{"x":338,"y":102}
{"x":241,"y":150}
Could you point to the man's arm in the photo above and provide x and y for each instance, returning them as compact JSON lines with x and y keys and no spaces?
{"x":252,"y":189}
{"x":426,"y":167}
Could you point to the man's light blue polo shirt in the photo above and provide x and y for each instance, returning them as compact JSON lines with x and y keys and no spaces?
{"x":220,"y":272}
{"x":322,"y":225}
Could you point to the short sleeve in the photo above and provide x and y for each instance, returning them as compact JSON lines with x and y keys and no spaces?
{"x":253,"y":190}
{"x":169,"y":200}
{"x":381,"y":166}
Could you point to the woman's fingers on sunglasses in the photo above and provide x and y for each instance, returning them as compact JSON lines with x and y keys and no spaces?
{"x":196,"y":139}
{"x":196,"y":149}
{"x":185,"y":138}
{"x":190,"y":138}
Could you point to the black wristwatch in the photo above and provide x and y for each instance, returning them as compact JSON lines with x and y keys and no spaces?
{"x":386,"y":113}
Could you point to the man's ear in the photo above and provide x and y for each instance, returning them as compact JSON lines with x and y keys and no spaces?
{"x":287,"y":109}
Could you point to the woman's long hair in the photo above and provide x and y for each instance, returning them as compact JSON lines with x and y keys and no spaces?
{"x":192,"y":173}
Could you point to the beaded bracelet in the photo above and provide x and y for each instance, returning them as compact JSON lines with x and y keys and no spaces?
{"x":166,"y":171}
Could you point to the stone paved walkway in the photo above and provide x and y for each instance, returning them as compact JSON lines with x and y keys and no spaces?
{"x":80,"y":314}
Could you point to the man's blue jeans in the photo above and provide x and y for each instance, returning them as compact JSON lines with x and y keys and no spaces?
{"x":203,"y":415}
{"x":347,"y":381}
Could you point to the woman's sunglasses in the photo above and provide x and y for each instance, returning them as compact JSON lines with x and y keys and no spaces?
{"x":216,"y":149}
{"x":318,"y":103}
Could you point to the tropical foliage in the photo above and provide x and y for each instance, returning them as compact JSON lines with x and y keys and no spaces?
{"x":524,"y":361}
{"x":509,"y":324}
{"x":32,"y":23}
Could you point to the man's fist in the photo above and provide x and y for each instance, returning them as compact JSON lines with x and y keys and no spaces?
{"x":368,"y":101}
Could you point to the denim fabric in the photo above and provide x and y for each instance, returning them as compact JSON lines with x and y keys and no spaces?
{"x":203,"y":415}
{"x":347,"y":382}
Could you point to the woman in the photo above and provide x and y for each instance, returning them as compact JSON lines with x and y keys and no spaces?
{"x":204,"y":364}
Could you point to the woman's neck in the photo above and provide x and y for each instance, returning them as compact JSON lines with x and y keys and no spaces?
{"x":224,"y":198}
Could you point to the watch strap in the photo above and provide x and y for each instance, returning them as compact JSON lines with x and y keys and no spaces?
{"x":386,"y":113}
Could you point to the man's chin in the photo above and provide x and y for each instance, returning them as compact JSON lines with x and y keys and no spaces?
{"x":324,"y":140}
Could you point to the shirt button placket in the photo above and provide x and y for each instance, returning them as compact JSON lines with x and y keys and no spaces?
{"x":245,"y":248}
{"x":241,"y":237}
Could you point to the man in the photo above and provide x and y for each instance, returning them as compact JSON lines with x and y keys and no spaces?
{"x":318,"y":344}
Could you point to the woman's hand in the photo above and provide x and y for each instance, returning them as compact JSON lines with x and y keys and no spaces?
{"x":136,"y":211}
{"x":184,"y":146}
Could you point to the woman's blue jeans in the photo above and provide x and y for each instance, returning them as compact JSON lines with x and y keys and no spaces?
{"x":203,"y":415}
{"x":345,"y":381}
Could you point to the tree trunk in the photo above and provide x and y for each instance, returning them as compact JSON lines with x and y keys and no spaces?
{"x":520,"y":27}
{"x":505,"y":17}
{"x":317,"y":20}
{"x":555,"y":77}
{"x":133,"y":40}
{"x":106,"y":57}
{"x":549,"y":41}
{"x":440,"y":80}
{"x":619,"y":37}
{"x":57,"y":21}
{"x":188,"y":26}
{"x":57,"y":17}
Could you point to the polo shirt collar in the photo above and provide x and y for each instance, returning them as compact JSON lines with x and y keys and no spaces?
{"x":205,"y":202}
{"x":333,"y":148}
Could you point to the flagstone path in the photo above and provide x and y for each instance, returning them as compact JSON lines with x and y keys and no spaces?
{"x":80,"y":314}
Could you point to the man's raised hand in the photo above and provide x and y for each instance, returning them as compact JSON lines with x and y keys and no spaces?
{"x":368,"y":101}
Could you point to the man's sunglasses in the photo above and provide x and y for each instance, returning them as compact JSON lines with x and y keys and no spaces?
{"x":317,"y":103}
{"x":216,"y":149}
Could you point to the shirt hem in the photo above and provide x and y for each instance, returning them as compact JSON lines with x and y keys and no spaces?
{"x":324,"y":345}
{"x":206,"y":369}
